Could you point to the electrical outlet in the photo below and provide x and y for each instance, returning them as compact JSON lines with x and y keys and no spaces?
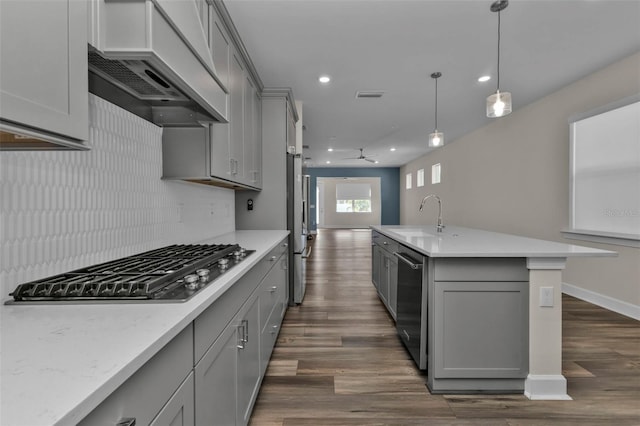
{"x":546,"y":297}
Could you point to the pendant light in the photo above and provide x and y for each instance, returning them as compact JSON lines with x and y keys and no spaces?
{"x":436,"y":138}
{"x":499,"y":104}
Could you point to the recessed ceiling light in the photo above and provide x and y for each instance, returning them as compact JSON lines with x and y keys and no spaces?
{"x":376,"y":162}
{"x":324,"y":79}
{"x":484,"y":78}
{"x":392,"y":149}
{"x":330,"y":149}
{"x":328,"y":162}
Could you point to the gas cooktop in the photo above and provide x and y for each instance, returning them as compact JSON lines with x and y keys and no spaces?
{"x":169,"y":274}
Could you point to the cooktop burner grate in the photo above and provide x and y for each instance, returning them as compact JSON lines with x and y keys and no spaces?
{"x":172,"y":273}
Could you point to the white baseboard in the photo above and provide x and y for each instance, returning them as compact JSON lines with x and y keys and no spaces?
{"x":615,"y":305}
{"x":549,"y":387}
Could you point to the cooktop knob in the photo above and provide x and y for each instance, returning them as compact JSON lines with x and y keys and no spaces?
{"x":191,"y":282}
{"x":223,"y":263}
{"x":203,"y":274}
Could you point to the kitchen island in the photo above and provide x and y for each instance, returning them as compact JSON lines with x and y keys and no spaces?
{"x":60,"y":362}
{"x":476,"y":282}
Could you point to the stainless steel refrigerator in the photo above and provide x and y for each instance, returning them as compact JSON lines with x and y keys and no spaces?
{"x":297,"y":219}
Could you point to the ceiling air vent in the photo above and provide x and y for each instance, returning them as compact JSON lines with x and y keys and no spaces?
{"x":369,"y":94}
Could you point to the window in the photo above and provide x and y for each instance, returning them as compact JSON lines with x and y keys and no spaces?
{"x":435,"y":173}
{"x":353,"y":198}
{"x":407,"y":181}
{"x":420,"y":178}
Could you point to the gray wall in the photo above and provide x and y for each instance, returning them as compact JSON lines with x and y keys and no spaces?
{"x":512,"y":176}
{"x":389,"y":184}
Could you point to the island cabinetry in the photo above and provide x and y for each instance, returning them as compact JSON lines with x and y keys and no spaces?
{"x":385,"y":270}
{"x":478,"y":324}
{"x":43,"y":75}
{"x":161,"y":389}
{"x":230,"y":347}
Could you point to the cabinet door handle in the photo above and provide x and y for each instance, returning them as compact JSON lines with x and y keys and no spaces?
{"x":246,"y":331}
{"x":272,"y":258}
{"x":127,"y":421}
{"x":273,"y":289}
{"x":274,"y":329}
{"x":241,"y":340}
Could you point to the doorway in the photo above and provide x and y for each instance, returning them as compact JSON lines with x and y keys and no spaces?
{"x":348,"y":202}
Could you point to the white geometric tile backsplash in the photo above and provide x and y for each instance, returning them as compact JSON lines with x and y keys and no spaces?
{"x":65,"y":210}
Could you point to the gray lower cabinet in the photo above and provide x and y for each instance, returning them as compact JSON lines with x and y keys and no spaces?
{"x":209,"y":374}
{"x":384,"y":272}
{"x":249,"y":377}
{"x":229,"y":374}
{"x":179,"y":411}
{"x":478,"y":325}
{"x":159,"y":390}
{"x":273,"y":305}
{"x":215,"y":381}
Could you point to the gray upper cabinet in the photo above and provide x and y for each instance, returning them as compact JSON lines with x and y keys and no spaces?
{"x":278,"y":119}
{"x":220,"y":47}
{"x":43,"y":74}
{"x":252,"y":135}
{"x":236,"y":119}
{"x":222,"y":154}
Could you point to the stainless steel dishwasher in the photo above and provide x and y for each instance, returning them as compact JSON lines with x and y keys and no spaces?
{"x":411,"y":321}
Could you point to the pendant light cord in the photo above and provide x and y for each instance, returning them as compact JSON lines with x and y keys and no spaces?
{"x":436,"y":104}
{"x":498,"y":79}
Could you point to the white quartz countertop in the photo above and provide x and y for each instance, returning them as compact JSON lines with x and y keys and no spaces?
{"x":59,"y":362}
{"x":457,"y":241}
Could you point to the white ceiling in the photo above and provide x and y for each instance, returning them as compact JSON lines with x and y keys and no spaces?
{"x":395,"y":45}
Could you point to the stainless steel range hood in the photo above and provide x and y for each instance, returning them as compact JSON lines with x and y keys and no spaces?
{"x":152,"y":58}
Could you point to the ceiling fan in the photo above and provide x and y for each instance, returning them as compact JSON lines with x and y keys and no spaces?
{"x":361,"y":157}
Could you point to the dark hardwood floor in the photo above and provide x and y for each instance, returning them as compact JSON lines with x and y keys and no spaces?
{"x":338,"y":360}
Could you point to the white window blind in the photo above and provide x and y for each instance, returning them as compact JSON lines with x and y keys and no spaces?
{"x":353,"y":191}
{"x":605,"y":172}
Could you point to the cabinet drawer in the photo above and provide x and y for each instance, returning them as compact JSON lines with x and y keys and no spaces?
{"x":145,"y":393}
{"x":272,"y":291}
{"x":210,"y":323}
{"x":268,"y":337}
{"x":486,"y":269}
{"x":385,"y":242}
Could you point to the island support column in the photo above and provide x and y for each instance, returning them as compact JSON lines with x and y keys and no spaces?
{"x":545,"y":380}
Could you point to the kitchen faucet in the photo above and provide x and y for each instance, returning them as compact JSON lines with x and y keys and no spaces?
{"x":439,"y":226}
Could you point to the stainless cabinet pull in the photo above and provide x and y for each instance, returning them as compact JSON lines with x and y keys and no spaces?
{"x":245,"y":339}
{"x":241,"y":336}
{"x":273,"y":258}
{"x":274,"y":329}
{"x":409,"y":261}
{"x":127,"y":421}
{"x":273,"y":289}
